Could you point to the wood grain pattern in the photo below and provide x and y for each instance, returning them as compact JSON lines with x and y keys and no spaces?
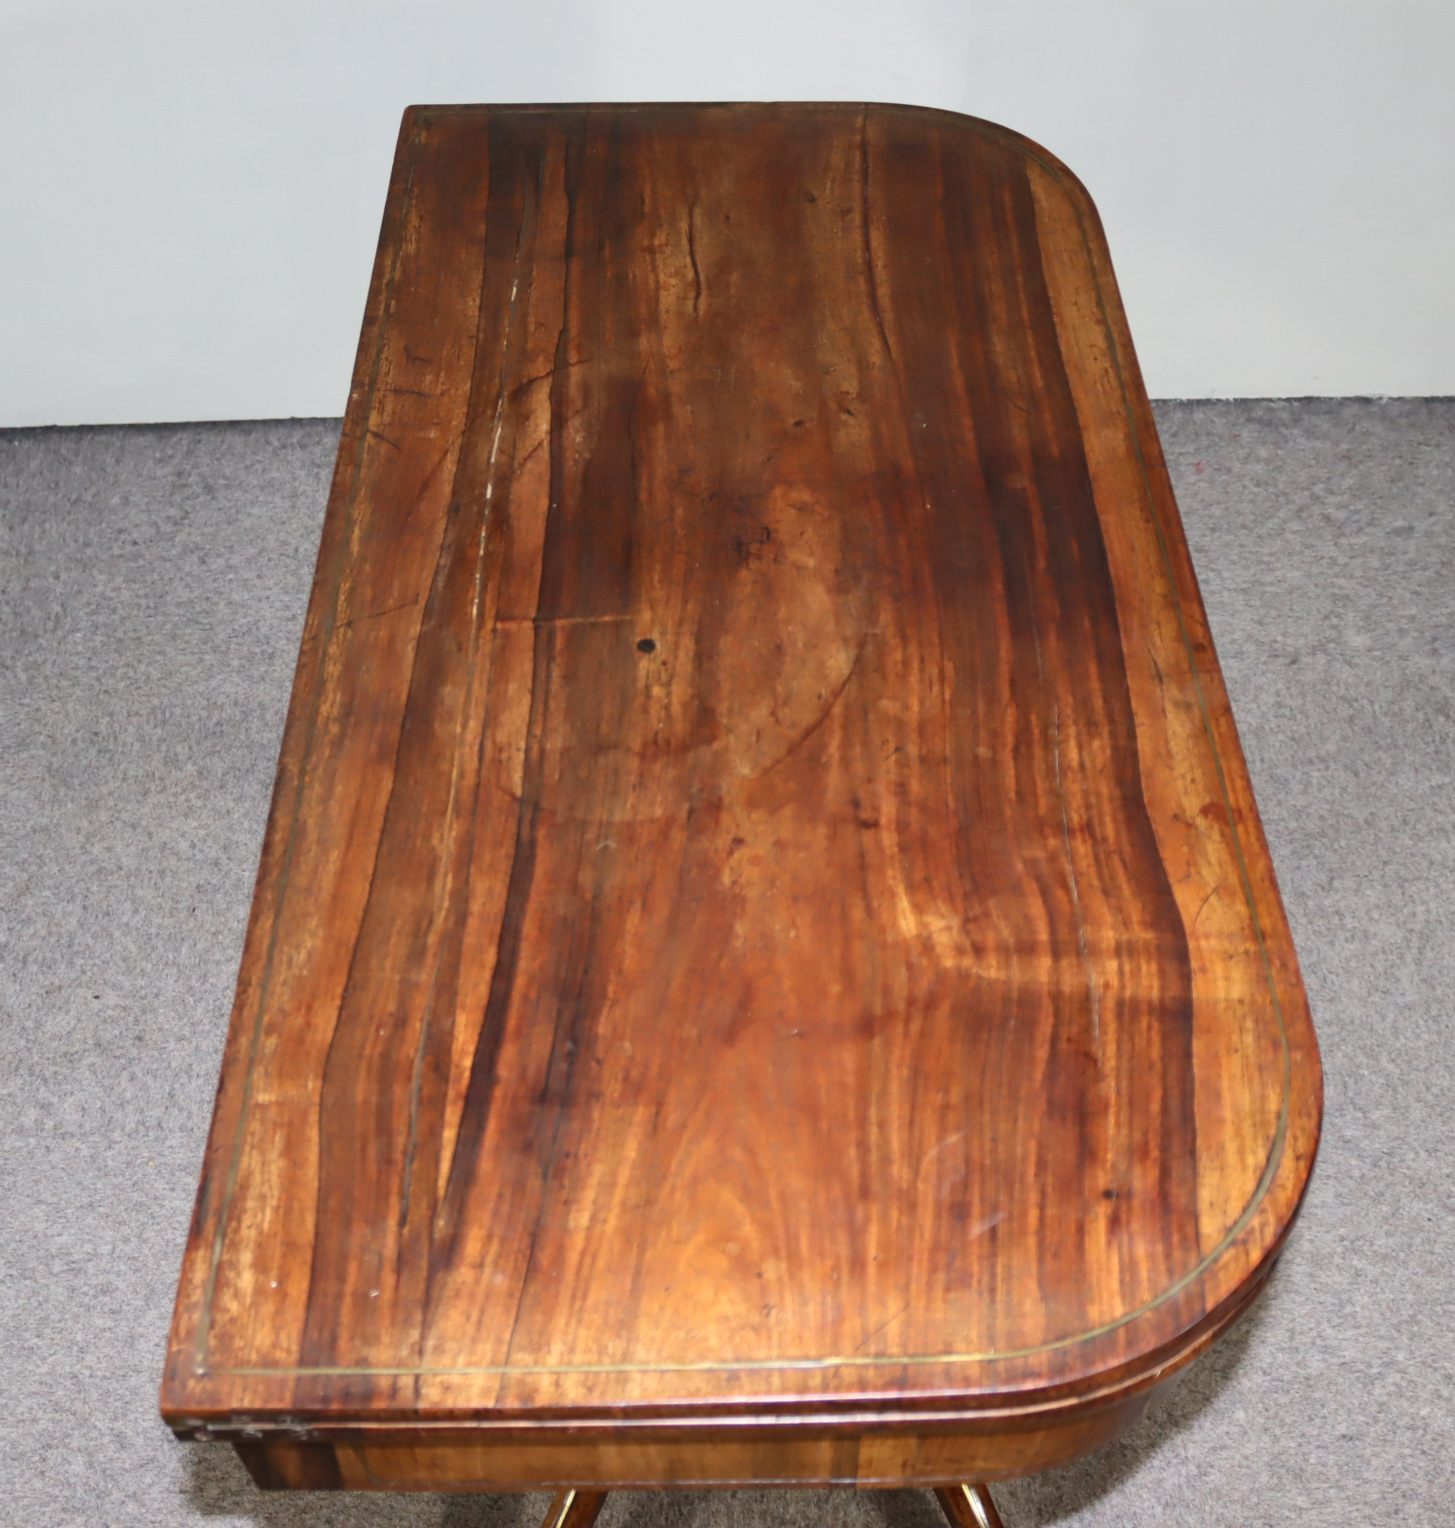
{"x":864,"y":1447}
{"x":755,"y":1453}
{"x":763,"y":907}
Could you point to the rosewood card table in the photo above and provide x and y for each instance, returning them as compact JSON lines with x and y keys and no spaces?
{"x":765,"y":967}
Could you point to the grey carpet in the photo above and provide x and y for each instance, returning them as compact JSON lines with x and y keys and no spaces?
{"x":152,"y":584}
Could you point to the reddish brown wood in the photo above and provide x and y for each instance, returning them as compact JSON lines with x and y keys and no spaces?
{"x":575,"y":1509}
{"x":968,"y":1506}
{"x":286,"y":1465}
{"x":764,"y":934}
{"x":923,"y":1447}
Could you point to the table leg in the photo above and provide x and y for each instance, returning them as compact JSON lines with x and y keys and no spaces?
{"x":574,"y":1509}
{"x":969,"y":1506}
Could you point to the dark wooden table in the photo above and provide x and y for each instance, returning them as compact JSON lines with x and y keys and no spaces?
{"x":765,"y":966}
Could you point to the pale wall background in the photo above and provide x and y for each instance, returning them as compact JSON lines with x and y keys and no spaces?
{"x":190,"y":190}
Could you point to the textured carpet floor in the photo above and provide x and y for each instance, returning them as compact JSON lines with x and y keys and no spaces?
{"x":152,"y":584}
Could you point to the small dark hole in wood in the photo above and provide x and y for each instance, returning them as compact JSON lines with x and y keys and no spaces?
{"x":646,"y":645}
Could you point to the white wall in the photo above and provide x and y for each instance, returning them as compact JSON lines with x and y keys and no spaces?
{"x":190,"y":189}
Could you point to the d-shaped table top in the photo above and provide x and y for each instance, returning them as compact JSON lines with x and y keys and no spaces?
{"x":763,"y":911}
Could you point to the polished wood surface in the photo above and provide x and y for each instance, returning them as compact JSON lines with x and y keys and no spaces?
{"x":575,"y":1509}
{"x":968,"y":1506}
{"x":858,"y":1448}
{"x":763,"y":919}
{"x":807,"y":1453}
